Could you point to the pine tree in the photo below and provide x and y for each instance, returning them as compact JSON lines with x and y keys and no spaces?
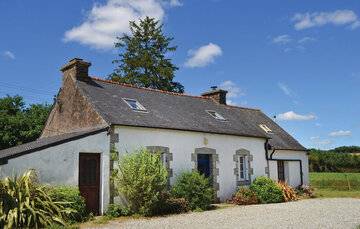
{"x":143,"y":60}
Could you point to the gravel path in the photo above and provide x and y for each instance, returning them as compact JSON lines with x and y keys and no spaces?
{"x":312,"y":213}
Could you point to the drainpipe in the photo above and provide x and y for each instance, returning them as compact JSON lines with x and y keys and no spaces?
{"x":272,"y":159}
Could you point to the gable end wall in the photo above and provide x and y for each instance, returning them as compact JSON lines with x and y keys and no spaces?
{"x":72,"y":111}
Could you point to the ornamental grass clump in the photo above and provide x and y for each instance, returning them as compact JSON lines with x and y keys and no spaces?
{"x":25,"y":203}
{"x":141,"y":178}
{"x":289,"y":193}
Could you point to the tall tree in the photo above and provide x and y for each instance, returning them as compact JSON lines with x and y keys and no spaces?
{"x":18,"y":123}
{"x":143,"y":57}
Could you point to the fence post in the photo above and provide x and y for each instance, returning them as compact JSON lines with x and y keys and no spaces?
{"x":348,"y":182}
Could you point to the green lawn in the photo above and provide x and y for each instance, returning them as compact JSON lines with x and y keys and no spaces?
{"x":336,"y":184}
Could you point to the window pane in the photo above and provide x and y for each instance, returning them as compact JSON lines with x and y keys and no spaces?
{"x":216,"y":115}
{"x":132,"y":104}
{"x":135,"y":105}
{"x":241,"y":167}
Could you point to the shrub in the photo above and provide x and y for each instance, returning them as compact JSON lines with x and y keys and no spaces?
{"x":26,"y":204}
{"x":141,"y":178}
{"x":176,"y":206}
{"x":195,"y":189}
{"x":245,"y":196}
{"x":171,"y":205}
{"x":116,"y":210}
{"x":267,"y":190}
{"x":306,"y":191}
{"x":289,"y":193}
{"x":71,"y":198}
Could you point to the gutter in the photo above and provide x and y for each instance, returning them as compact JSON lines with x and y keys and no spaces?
{"x":268,"y":147}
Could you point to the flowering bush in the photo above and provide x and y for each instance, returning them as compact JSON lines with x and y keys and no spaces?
{"x":245,"y":196}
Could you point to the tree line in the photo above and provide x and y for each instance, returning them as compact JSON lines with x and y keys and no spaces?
{"x":20,"y":123}
{"x":341,"y":159}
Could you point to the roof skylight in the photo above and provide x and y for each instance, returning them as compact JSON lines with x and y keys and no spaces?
{"x":216,"y":115}
{"x":265,"y":128}
{"x":135,"y":105}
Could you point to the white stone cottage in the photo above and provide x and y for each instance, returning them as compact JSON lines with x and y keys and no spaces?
{"x":230,"y":145}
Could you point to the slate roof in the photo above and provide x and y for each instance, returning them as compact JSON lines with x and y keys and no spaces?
{"x":43,"y":143}
{"x":180,"y":112}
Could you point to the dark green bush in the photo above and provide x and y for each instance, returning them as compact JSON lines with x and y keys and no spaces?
{"x":176,"y":206}
{"x":267,"y":190}
{"x":71,"y":198}
{"x":141,"y":178}
{"x":170,"y":205}
{"x":245,"y":196}
{"x":195,"y":189}
{"x":117,"y":210}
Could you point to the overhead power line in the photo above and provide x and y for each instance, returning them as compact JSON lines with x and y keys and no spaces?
{"x":21,"y":89}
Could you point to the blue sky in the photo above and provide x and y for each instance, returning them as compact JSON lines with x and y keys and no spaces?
{"x":298,"y":60}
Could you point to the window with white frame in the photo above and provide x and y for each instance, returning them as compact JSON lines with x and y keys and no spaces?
{"x":265,"y":128}
{"x":134,"y":104}
{"x":216,"y":115}
{"x":243,"y":166}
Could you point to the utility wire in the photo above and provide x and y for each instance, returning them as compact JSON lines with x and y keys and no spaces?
{"x":27,"y":89}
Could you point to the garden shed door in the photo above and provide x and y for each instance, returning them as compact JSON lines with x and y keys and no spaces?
{"x":89,"y":180}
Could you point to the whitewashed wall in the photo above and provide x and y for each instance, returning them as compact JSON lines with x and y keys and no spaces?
{"x":182,"y":144}
{"x":60,"y":164}
{"x":292,"y":168}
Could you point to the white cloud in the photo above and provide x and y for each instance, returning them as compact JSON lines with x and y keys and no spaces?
{"x":105,"y":22}
{"x":355,"y":25}
{"x":234,"y":91}
{"x":9,"y":55}
{"x":318,"y":141}
{"x":317,"y":19}
{"x":340,"y":133}
{"x":282,"y":39}
{"x":306,"y":40}
{"x":203,"y":56}
{"x":292,"y":116}
{"x":324,"y":142}
{"x":287,"y":91}
{"x":175,"y":3}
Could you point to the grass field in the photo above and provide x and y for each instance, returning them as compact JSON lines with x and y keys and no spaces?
{"x":336,"y":184}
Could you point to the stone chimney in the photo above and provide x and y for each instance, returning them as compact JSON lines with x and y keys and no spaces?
{"x":77,"y":68}
{"x":218,"y":95}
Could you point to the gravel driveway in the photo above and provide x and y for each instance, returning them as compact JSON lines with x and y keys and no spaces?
{"x":312,"y":213}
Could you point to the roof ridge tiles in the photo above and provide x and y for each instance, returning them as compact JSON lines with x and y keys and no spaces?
{"x":166,"y":92}
{"x":148,"y":89}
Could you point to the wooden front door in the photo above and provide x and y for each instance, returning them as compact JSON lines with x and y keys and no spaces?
{"x":281,"y":171}
{"x":89,"y":180}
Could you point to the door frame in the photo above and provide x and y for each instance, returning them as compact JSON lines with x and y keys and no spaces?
{"x":214,"y":164}
{"x":99,"y":155}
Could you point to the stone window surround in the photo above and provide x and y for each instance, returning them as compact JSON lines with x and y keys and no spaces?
{"x":238,"y":153}
{"x":214,"y":160}
{"x":166,"y":151}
